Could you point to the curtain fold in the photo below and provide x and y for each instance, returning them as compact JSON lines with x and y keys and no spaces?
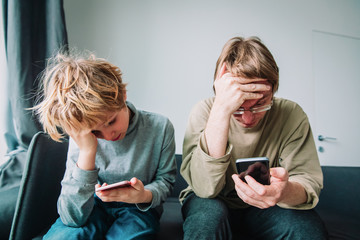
{"x":34,"y":30}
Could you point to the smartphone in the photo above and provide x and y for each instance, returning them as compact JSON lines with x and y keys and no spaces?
{"x":121,"y":184}
{"x":257,"y":167}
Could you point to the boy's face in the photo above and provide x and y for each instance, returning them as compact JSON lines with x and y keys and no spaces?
{"x":115,"y":127}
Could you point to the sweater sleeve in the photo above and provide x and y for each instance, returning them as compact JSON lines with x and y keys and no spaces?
{"x":165,"y":176}
{"x":76,"y":199}
{"x":299,"y":157}
{"x":205,"y":175}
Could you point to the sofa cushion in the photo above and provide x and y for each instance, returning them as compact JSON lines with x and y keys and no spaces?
{"x":171,"y":221}
{"x":180,"y":183}
{"x":339,"y":202}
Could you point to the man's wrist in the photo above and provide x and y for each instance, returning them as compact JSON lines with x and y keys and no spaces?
{"x":220,"y":111}
{"x":295,"y":194}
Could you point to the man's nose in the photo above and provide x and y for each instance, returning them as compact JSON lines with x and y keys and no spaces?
{"x":247,"y":117}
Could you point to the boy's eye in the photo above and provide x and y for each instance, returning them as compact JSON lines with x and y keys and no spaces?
{"x":112,"y":122}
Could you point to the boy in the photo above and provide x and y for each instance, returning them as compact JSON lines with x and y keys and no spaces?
{"x":110,"y":141}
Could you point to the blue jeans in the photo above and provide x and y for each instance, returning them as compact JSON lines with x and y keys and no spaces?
{"x":110,"y":221}
{"x":211,"y":219}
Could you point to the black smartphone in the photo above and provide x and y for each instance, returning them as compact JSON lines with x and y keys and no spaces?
{"x":257,"y":167}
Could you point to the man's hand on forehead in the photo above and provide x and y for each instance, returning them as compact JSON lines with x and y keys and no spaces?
{"x":256,"y":85}
{"x":244,"y":80}
{"x":225,"y":73}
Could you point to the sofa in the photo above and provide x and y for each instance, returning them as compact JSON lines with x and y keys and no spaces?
{"x":40,"y":186}
{"x":339,"y":205}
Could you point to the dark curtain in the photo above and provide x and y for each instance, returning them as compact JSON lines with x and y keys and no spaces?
{"x":34,"y":30}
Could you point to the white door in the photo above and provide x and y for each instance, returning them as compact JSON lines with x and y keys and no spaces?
{"x":336,"y":67}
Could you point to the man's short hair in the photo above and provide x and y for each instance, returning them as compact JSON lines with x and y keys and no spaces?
{"x":249,"y":58}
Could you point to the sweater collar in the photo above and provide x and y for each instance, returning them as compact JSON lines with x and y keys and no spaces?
{"x":134,"y":117}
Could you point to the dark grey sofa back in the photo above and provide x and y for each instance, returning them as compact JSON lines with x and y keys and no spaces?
{"x":339,"y":204}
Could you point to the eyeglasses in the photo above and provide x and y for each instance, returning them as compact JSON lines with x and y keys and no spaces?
{"x":255,"y":109}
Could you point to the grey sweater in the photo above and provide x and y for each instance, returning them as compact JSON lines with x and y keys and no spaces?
{"x":147,"y":152}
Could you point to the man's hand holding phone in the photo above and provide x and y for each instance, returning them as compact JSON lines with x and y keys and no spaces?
{"x":260,"y":195}
{"x":257,"y":168}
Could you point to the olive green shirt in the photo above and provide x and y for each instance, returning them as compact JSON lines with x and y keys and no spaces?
{"x":284,"y":136}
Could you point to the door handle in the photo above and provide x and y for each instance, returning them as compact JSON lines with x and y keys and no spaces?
{"x":323,"y":138}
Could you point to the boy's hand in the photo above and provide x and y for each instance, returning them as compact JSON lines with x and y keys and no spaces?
{"x":134,"y":194}
{"x":87,"y":143}
{"x":84,"y":138}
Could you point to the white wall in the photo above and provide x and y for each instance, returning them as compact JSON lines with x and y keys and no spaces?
{"x":168,"y":49}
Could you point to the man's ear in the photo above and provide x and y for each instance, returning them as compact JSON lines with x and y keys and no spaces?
{"x":219,"y":74}
{"x":222,"y":71}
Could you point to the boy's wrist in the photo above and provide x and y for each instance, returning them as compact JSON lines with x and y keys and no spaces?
{"x":147,"y":196}
{"x":86,"y":160}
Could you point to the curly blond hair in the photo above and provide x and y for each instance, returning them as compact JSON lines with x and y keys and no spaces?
{"x":78,"y":92}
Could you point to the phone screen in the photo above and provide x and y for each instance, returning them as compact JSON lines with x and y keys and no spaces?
{"x":258,"y":168}
{"x":115,"y":185}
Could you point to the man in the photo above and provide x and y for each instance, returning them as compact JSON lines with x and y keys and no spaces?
{"x":244,"y":120}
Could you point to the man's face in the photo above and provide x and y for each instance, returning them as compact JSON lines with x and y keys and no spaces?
{"x":254,"y":110}
{"x":115,"y":127}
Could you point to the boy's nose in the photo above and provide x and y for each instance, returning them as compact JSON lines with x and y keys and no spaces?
{"x":108,"y":135}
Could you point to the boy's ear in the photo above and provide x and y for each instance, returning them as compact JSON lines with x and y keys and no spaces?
{"x":124,"y":96}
